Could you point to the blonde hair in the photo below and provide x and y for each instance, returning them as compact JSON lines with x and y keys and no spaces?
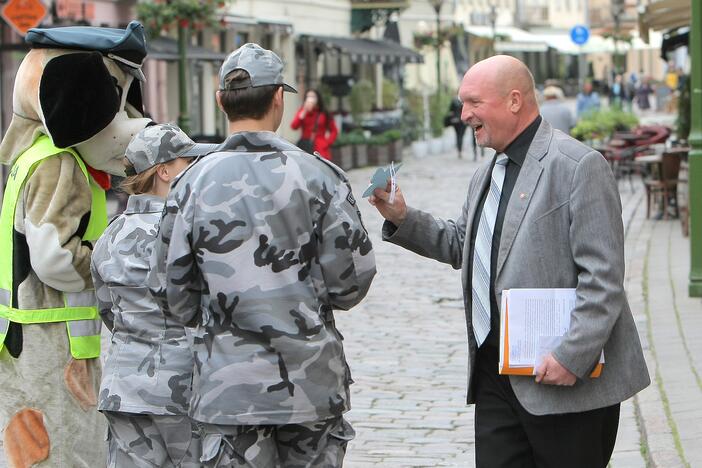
{"x":138,"y":184}
{"x":144,"y":182}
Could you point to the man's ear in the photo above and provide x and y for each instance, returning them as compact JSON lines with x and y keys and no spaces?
{"x":78,"y":97}
{"x":218,"y":97}
{"x":516,"y":100}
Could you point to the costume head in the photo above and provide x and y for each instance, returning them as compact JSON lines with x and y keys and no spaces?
{"x":81,"y":87}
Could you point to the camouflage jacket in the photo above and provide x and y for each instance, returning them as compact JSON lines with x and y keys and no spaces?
{"x":259,"y":241}
{"x":149,"y":365}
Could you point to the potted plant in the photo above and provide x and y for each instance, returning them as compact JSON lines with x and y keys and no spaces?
{"x":394,"y":138}
{"x":598,"y":126}
{"x":342,"y":151}
{"x":378,"y":150}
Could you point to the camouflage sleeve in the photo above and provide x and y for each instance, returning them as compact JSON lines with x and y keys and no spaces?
{"x":57,"y":202}
{"x":174,"y":276}
{"x":104,"y":299}
{"x":346,"y":254}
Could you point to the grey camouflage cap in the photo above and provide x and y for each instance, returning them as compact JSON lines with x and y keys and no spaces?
{"x":161,"y":143}
{"x":264,"y":67}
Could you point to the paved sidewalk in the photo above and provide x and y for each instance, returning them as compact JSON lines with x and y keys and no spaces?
{"x":406,"y":343}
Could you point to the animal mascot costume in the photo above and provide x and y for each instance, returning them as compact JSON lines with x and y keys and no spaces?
{"x":76,"y":104}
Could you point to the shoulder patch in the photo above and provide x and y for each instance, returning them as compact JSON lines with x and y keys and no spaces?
{"x":351,"y":199}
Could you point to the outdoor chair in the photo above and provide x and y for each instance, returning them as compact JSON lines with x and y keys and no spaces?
{"x":662,"y":184}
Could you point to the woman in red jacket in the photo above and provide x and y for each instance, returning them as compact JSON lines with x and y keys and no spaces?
{"x":318,"y":128}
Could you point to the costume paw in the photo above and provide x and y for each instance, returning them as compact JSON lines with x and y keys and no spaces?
{"x":78,"y":378}
{"x":26,"y":441}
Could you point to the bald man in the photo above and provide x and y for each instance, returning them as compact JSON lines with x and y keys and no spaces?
{"x":543,"y":213}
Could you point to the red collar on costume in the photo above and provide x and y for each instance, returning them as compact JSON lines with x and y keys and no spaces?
{"x":102,"y":178}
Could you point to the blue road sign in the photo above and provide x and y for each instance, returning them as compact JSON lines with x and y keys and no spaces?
{"x":580,"y":34}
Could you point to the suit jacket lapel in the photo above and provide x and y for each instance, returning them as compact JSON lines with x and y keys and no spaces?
{"x":523,"y":191}
{"x":482,"y":184}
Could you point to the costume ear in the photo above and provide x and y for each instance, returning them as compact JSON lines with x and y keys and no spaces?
{"x":134,"y":97}
{"x":78,"y":97}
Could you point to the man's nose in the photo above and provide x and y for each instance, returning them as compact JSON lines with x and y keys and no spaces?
{"x":466,"y":114}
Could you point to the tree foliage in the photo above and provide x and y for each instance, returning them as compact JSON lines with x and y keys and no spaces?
{"x":160,"y":16}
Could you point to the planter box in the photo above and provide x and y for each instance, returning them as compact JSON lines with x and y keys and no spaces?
{"x":360,"y":155}
{"x":379,"y":155}
{"x":342,"y":156}
{"x":396,"y":151}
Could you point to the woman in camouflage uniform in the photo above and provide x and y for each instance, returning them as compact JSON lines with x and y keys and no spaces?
{"x":146,"y":382}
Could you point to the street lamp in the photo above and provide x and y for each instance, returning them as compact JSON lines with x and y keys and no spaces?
{"x":493,"y":19}
{"x":617,"y":9}
{"x":437,"y":8}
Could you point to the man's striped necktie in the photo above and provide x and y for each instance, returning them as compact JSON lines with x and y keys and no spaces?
{"x":482,"y":252}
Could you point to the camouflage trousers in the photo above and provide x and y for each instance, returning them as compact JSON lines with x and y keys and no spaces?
{"x":319,"y":444}
{"x":150,"y":441}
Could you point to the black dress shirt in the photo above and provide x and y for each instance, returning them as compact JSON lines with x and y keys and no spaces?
{"x":516,"y":153}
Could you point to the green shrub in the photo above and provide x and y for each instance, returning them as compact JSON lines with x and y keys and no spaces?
{"x":682,"y":124}
{"x":438,"y":107}
{"x":393,"y":135}
{"x":355,"y":137}
{"x":391,"y":94}
{"x":361,"y":99}
{"x":603,"y":123}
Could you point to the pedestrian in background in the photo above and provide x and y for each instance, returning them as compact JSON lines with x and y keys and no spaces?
{"x":588,"y":101}
{"x":453,"y":119}
{"x":146,"y":381}
{"x":630,"y":91}
{"x":643,"y":93}
{"x":555,"y":111}
{"x":617,"y":93}
{"x":544,"y":212}
{"x":260,"y":241}
{"x":318,"y":127}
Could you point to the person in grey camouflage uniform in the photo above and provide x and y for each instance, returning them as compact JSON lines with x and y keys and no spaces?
{"x":146,"y":381}
{"x":258,"y":243}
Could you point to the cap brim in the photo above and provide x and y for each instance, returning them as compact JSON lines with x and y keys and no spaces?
{"x":199,"y":149}
{"x":288,"y":88}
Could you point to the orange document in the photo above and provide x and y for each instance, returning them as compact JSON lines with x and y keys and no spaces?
{"x":532,"y":324}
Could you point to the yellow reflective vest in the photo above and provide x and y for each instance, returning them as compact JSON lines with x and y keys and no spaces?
{"x":79,"y":310}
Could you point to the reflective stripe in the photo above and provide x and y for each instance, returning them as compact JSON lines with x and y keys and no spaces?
{"x":84,"y":327}
{"x":4,"y":297}
{"x":84,"y":338}
{"x":81,"y":299}
{"x":84,"y":334}
{"x":60,"y":314}
{"x":4,"y":326}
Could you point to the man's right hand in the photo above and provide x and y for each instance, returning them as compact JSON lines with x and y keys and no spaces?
{"x":394,"y":213}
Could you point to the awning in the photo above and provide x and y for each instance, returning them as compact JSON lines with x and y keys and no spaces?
{"x":664,"y":14}
{"x":166,"y":48}
{"x":509,"y":46}
{"x":510,"y":39}
{"x":366,"y":50}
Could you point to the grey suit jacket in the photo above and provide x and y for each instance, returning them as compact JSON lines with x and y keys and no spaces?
{"x":562,"y":229}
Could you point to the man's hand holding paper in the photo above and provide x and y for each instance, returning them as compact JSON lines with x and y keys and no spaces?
{"x":391,"y":206}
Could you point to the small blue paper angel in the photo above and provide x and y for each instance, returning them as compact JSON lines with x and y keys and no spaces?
{"x":381,"y":177}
